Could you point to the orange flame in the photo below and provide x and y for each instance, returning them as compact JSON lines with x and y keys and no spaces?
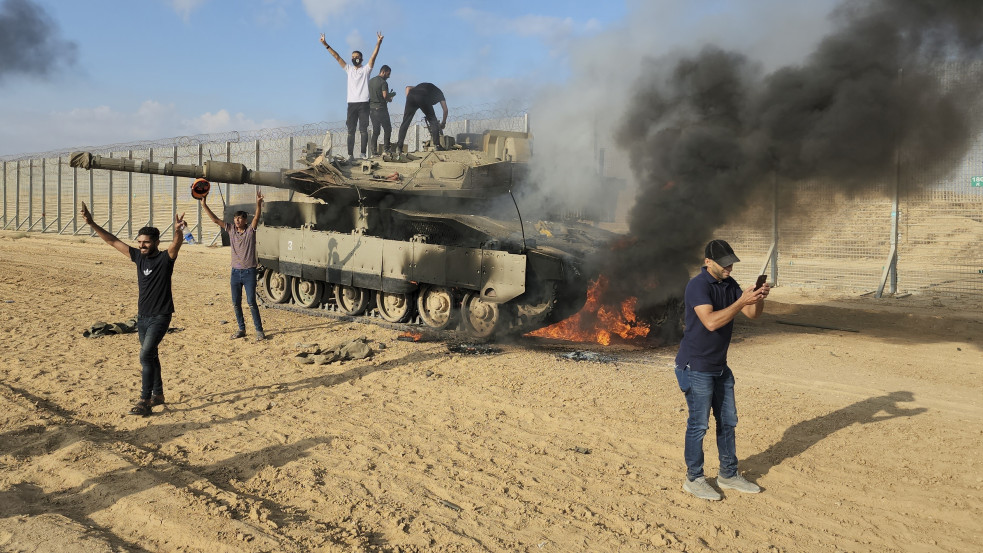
{"x":598,"y":323}
{"x":410,"y":337}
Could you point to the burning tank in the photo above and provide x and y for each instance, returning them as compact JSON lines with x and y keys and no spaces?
{"x":422,"y":238}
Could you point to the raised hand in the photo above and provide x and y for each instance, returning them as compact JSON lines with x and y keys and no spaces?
{"x":86,"y":216}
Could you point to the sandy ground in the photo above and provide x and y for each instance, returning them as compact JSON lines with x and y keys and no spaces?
{"x":863,"y":441}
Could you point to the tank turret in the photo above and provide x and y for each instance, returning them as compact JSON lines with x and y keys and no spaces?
{"x":454,"y":173}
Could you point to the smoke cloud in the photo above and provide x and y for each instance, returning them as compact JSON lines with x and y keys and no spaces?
{"x":708,"y":133}
{"x":29,"y":41}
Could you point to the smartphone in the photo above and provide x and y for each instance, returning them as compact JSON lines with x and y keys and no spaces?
{"x":761,"y":281}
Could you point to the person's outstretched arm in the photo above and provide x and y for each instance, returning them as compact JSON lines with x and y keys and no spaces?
{"x":103,"y":233}
{"x":211,"y":215}
{"x":331,"y":51}
{"x":179,"y":226}
{"x":375,"y":52}
{"x":443,"y":120}
{"x":259,"y":208}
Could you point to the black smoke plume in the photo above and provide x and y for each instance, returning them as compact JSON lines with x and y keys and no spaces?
{"x":710,"y":134}
{"x":29,"y":41}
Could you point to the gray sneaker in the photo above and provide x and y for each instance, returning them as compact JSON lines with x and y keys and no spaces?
{"x":739,"y":483}
{"x":260,"y":336}
{"x":700,"y":488}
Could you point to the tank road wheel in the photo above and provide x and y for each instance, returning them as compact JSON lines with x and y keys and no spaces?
{"x":276,"y":286}
{"x":308,"y":293}
{"x":395,"y":308}
{"x":351,"y":300}
{"x":483,"y":319}
{"x":436,"y":307}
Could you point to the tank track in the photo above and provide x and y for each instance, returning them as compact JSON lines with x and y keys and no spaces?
{"x":328,"y":308}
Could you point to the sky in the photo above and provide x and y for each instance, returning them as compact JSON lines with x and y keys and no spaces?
{"x":99,"y":72}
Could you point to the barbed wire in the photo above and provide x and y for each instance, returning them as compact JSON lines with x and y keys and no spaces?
{"x":475,"y":112}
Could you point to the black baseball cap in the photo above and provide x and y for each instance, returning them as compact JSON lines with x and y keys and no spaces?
{"x":721,"y":253}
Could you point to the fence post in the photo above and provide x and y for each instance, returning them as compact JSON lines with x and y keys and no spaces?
{"x":17,"y":197}
{"x":92,"y":193}
{"x":201,"y":162}
{"x":129,"y":199}
{"x":109,"y":201}
{"x":891,"y":265}
{"x":525,"y":122}
{"x":44,"y":194}
{"x":58,"y":218}
{"x":174,"y":190}
{"x":150,"y":186}
{"x":4,"y":195}
{"x":256,"y":187}
{"x":30,"y":194}
{"x":75,"y":200}
{"x":228,"y":158}
{"x":290,"y":164}
{"x":774,"y":234}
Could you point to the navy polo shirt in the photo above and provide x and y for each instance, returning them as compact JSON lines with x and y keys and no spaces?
{"x":701,"y":349}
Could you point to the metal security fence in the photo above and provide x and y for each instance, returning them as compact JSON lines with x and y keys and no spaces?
{"x":42,"y":193}
{"x":886,"y":241}
{"x":912,"y":234}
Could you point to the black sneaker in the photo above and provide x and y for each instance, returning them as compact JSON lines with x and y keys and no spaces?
{"x":156,"y":399}
{"x":239,"y":334}
{"x":141,"y":408}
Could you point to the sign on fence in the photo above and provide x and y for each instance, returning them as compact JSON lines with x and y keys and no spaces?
{"x":976,"y":181}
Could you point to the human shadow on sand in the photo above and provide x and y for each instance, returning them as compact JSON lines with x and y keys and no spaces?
{"x":138,"y":474}
{"x":801,"y":436}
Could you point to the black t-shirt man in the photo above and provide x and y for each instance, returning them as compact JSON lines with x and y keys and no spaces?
{"x":423,"y":97}
{"x":154,"y":281}
{"x":425,"y":94}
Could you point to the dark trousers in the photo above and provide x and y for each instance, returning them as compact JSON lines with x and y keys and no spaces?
{"x":151,"y":330}
{"x":408,"y":112}
{"x":380,"y":118}
{"x":358,"y":112}
{"x":245,"y":278}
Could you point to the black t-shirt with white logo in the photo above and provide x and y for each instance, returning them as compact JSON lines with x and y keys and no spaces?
{"x":154,"y":280}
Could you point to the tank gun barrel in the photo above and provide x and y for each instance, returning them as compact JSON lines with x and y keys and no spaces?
{"x":214,"y":171}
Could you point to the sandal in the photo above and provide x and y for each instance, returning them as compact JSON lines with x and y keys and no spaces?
{"x":141,"y":408}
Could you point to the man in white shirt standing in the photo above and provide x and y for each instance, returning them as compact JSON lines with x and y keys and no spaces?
{"x":358,"y":93}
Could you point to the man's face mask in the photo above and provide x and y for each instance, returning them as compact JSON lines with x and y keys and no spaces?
{"x":356,"y":61}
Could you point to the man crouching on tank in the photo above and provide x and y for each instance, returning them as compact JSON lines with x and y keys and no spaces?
{"x":155,"y":304}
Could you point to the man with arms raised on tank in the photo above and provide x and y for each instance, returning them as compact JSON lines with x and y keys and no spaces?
{"x":155,"y":303}
{"x":423,"y":97}
{"x":358,"y":93}
{"x":713,"y":300}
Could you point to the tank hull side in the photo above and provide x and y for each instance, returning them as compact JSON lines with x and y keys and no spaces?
{"x":389,"y":265}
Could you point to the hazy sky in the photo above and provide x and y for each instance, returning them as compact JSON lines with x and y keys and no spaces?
{"x":93,"y":72}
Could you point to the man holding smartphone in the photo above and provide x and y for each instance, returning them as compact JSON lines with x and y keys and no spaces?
{"x":713,"y":299}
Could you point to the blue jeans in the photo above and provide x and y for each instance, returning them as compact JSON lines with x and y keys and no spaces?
{"x":705,"y":391}
{"x":151,"y":330}
{"x":245,"y":278}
